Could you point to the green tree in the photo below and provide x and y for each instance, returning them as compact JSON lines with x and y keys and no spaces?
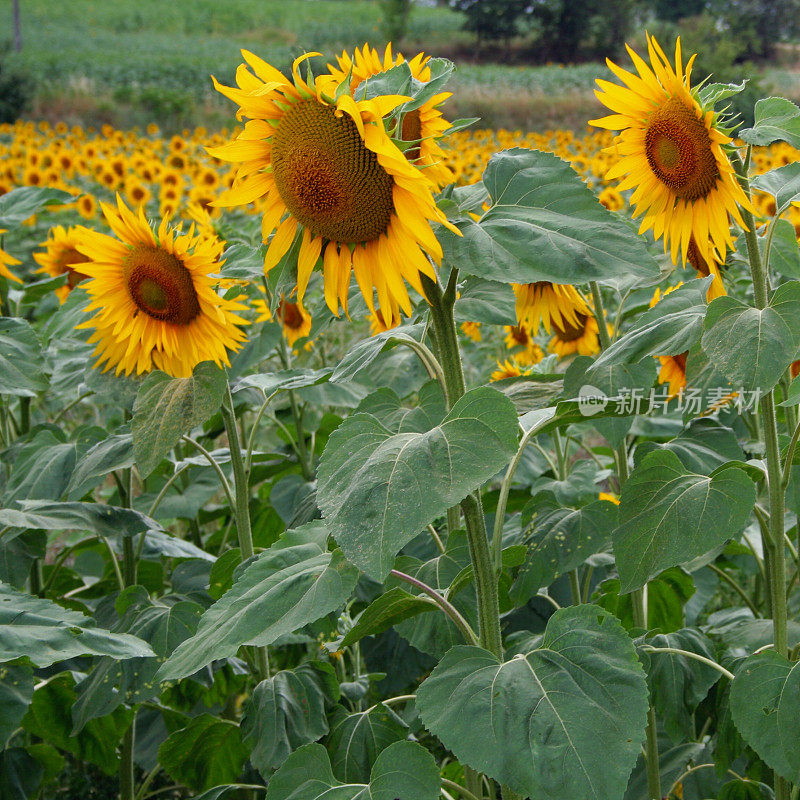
{"x":491,"y":20}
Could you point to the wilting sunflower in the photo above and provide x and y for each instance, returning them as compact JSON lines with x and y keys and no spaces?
{"x":549,"y":304}
{"x":6,"y":261}
{"x":510,"y":368}
{"x":327,"y":169}
{"x":61,"y":256}
{"x":425,"y":124}
{"x":672,"y":155}
{"x":154,"y":297}
{"x":294,"y":319}
{"x":673,"y":368}
{"x":582,"y":337}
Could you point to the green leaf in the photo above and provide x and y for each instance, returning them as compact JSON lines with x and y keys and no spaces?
{"x":386,"y":611}
{"x":485,"y":301}
{"x":370,"y":481}
{"x":283,"y":380}
{"x":166,"y":408}
{"x":22,"y":203}
{"x":782,"y":183}
{"x":702,"y":447}
{"x":678,"y":684}
{"x":362,"y":354}
{"x":712,"y":93}
{"x":765,"y":704}
{"x":545,"y":225}
{"x":776,"y":119}
{"x":784,"y":254}
{"x":111,"y":682}
{"x":41,"y":469}
{"x":669,"y":516}
{"x":242,"y":262}
{"x":278,"y":591}
{"x":45,"y":632}
{"x":20,"y":774}
{"x":49,"y":718}
{"x":356,"y":740}
{"x":287,"y":711}
{"x":562,"y":721}
{"x":16,"y":691}
{"x":670,"y":328}
{"x":561,"y":540}
{"x":21,"y":359}
{"x":403,"y":771}
{"x":95,"y":517}
{"x":114,"y":452}
{"x":753,"y":347}
{"x":207,"y":752}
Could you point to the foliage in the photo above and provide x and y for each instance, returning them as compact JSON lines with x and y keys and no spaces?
{"x":16,"y":89}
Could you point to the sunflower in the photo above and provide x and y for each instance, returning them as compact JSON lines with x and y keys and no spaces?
{"x":87,"y":206}
{"x":424,"y":124}
{"x":472,"y":330}
{"x":154,"y":297}
{"x":294,"y":319}
{"x":378,"y":325}
{"x":581,"y":337}
{"x":671,"y":152}
{"x":61,"y":256}
{"x":6,"y":261}
{"x":510,"y":368}
{"x":520,"y":336}
{"x":673,"y":368}
{"x":549,"y":304}
{"x":327,"y":170}
{"x":705,"y":268}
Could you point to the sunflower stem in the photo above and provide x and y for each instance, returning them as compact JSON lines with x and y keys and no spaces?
{"x":297,"y":416}
{"x":242,"y":505}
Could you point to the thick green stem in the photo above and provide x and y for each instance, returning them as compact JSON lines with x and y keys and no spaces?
{"x":241,"y":508}
{"x":127,"y":786}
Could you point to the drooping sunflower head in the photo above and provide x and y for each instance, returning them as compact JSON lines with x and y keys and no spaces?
{"x":421,"y":127}
{"x":329,"y":178}
{"x":7,"y":260}
{"x":294,"y":319}
{"x":545,"y":303}
{"x":61,"y":256}
{"x":671,"y":153}
{"x":581,"y":337}
{"x":154,"y":296}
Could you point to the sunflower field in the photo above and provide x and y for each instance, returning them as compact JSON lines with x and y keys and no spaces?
{"x":360,"y":454}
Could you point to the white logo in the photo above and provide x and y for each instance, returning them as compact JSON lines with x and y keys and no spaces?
{"x":591,"y":400}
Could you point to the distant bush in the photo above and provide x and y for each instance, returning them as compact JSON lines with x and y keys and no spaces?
{"x":16,"y":90}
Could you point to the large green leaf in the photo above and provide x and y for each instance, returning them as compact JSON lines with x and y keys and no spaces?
{"x":166,"y":408}
{"x":21,"y":359}
{"x":678,"y":683}
{"x":386,"y":611}
{"x":207,"y":752}
{"x":753,"y":347}
{"x":45,"y":632}
{"x":563,"y":721}
{"x":356,"y":740}
{"x":379,"y":489}
{"x":782,"y":183}
{"x":545,"y":224}
{"x":112,"y":682}
{"x":95,"y":517}
{"x":669,"y":516}
{"x":403,"y":771}
{"x":287,"y":711}
{"x":765,"y":704}
{"x":20,"y":774}
{"x":485,"y":301}
{"x":41,"y":469}
{"x":293,"y":583}
{"x":283,"y":380}
{"x":670,"y":328}
{"x":776,"y":119}
{"x":94,"y":466}
{"x":22,"y":203}
{"x":784,"y":253}
{"x":16,"y":691}
{"x":49,"y":718}
{"x":363,"y":353}
{"x":561,"y":540}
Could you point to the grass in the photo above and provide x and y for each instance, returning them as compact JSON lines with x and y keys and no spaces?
{"x":136,"y":61}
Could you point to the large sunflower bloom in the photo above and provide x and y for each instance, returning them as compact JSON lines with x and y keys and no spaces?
{"x":327,"y":168}
{"x":549,"y":304}
{"x":7,"y":260}
{"x":671,"y":154}
{"x":424,"y":124}
{"x":154,"y":297}
{"x":61,"y":256}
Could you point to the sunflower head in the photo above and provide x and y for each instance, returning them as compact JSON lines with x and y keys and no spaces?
{"x":294,"y":319}
{"x":61,"y":256}
{"x":329,"y":178}
{"x":581,"y":337}
{"x":510,"y":368}
{"x":671,"y":152}
{"x":545,"y":303}
{"x":154,"y":297}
